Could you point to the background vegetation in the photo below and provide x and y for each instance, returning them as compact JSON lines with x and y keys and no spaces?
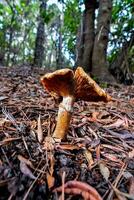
{"x":98,"y":35}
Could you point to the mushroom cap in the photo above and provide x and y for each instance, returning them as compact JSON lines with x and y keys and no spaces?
{"x":87,"y":89}
{"x":59,"y":83}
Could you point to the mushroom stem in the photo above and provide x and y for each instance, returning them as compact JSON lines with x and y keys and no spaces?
{"x":64,"y":117}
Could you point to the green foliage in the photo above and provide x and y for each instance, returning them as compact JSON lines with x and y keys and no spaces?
{"x":122,"y":26}
{"x":19,"y":20}
{"x":72,"y":16}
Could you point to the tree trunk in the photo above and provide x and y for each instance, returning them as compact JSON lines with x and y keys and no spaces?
{"x":100,"y":65}
{"x":11,"y":32}
{"x":2,"y":48}
{"x":85,"y":39}
{"x":40,"y":38}
{"x":119,"y":67}
{"x":59,"y":57}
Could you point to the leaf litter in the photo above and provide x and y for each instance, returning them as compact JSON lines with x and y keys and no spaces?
{"x":95,"y":161}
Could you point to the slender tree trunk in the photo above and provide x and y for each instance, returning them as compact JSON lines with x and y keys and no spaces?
{"x":119,"y":67}
{"x":26,"y":31}
{"x":80,"y":44}
{"x":11,"y":31}
{"x":40,"y":38}
{"x":59,"y":57}
{"x":100,"y":65}
{"x":85,"y":39}
{"x":2,"y":48}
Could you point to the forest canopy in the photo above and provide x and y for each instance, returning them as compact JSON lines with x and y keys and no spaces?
{"x":97,"y":35}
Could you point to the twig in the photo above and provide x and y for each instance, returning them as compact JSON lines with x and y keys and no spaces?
{"x":26,"y":147}
{"x":123,"y":168}
{"x":63,"y":183}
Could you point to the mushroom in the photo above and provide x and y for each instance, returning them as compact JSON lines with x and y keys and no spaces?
{"x":87,"y":89}
{"x":61,"y":83}
{"x":71,"y":86}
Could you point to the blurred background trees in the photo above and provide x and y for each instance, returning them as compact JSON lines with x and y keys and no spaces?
{"x":96,"y":34}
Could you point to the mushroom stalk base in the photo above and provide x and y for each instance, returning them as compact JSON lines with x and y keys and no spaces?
{"x":64,"y":117}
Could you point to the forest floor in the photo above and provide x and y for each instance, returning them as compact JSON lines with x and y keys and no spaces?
{"x":99,"y":149}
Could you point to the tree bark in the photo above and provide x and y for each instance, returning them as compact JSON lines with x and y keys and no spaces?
{"x":119,"y":67}
{"x":59,"y":57}
{"x":85,"y":39}
{"x":40,"y":38}
{"x":100,"y":65}
{"x":11,"y":32}
{"x":2,"y":48}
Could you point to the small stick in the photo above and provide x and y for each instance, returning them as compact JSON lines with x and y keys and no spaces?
{"x":63,"y":183}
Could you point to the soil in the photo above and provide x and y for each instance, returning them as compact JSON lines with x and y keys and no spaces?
{"x":98,"y":150}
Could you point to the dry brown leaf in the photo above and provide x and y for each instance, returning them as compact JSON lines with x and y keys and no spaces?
{"x":26,"y":161}
{"x":4,"y":122}
{"x":1,"y":162}
{"x":127,"y":175}
{"x":33,"y":124}
{"x":8,"y":140}
{"x":95,"y":115}
{"x":98,"y":152}
{"x":89,"y":158}
{"x":39,"y":130}
{"x":52,"y":162}
{"x":104,"y":170}
{"x":3,"y":98}
{"x":117,"y":124}
{"x":68,"y":146}
{"x":25,"y":170}
{"x":131,"y":154}
{"x":50,"y":180}
{"x":103,"y":114}
{"x":111,"y":157}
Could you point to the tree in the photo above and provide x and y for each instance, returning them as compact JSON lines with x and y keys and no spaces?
{"x":120,"y":66}
{"x":86,"y":36}
{"x":95,"y":34}
{"x":121,"y":41}
{"x":40,"y":38}
{"x":99,"y":58}
{"x":92,"y":42}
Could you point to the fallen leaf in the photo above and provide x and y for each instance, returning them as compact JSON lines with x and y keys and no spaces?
{"x":39,"y":131}
{"x":131,"y":154}
{"x":111,"y":157}
{"x":127,"y":175}
{"x":25,"y":170}
{"x":68,"y":146}
{"x":33,"y":124}
{"x":4,"y":122}
{"x":104,"y":170}
{"x":117,"y":124}
{"x":25,"y":160}
{"x":89,"y":158}
{"x":95,"y":115}
{"x":3,"y":98}
{"x":50,"y":180}
{"x":8,"y":140}
{"x":98,"y":152}
{"x":103,"y":114}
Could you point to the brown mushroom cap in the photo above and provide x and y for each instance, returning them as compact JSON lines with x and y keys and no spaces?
{"x":87,"y":89}
{"x":59,"y":83}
